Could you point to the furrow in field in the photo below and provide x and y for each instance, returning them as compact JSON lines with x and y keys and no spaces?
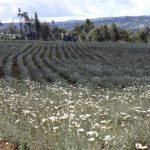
{"x":61,"y":52}
{"x":1,"y":73}
{"x":52,"y":52}
{"x":54,"y":65}
{"x":16,"y":71}
{"x":86,"y":52}
{"x":37,"y":58}
{"x":65,"y":50}
{"x":65,"y":53}
{"x":102,"y":54}
{"x":72,"y":52}
{"x":21,"y":67}
{"x":79,"y":52}
{"x":7,"y":62}
{"x":89,"y":51}
{"x":34,"y":71}
{"x":4,"y":52}
{"x":47,"y":62}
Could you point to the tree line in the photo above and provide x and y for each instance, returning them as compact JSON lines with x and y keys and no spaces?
{"x":30,"y":28}
{"x":88,"y":32}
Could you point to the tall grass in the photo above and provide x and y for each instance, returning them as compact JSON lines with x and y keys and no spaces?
{"x":63,"y":117}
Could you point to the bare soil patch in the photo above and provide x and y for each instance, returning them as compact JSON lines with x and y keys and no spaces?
{"x":7,"y":146}
{"x":1,"y":69}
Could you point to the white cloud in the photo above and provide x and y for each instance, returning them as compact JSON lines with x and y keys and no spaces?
{"x":60,"y":10}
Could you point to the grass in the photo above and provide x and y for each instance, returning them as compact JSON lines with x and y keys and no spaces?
{"x":64,"y":117}
{"x":107,"y":106}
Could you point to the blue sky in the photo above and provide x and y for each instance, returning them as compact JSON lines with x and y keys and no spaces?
{"x":61,"y":10}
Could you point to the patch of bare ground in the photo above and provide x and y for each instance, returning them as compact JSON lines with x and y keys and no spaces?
{"x":15,"y":72}
{"x":1,"y":70}
{"x":7,"y":146}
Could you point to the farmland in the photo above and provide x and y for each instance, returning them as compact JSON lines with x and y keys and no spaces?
{"x":99,"y":65}
{"x":75,"y":96}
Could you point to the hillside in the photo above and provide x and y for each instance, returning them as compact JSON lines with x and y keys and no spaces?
{"x":132,"y":23}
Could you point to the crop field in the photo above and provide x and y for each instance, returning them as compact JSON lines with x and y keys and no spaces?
{"x":74,"y":96}
{"x":99,"y":65}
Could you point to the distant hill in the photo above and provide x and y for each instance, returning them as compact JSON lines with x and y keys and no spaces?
{"x":132,"y":23}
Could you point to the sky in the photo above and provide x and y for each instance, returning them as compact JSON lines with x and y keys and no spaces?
{"x":62,"y":10}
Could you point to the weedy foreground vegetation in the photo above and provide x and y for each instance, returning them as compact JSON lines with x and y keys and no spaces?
{"x":53,"y":117}
{"x":89,"y":96}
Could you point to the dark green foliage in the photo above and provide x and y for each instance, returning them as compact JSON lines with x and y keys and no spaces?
{"x":45,"y":31}
{"x":78,"y":29}
{"x":87,"y":32}
{"x":143,"y":37}
{"x":83,"y":31}
{"x":56,"y":33}
{"x":114,"y":33}
{"x":37,"y":26}
{"x":100,"y":34}
{"x":83,"y":37}
{"x":96,"y":35}
{"x":124,"y":35}
{"x":133,"y":37}
{"x":106,"y":33}
{"x":88,"y":26}
{"x":147,"y":31}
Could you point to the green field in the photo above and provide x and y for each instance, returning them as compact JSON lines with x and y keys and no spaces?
{"x":75,"y":96}
{"x":90,"y":64}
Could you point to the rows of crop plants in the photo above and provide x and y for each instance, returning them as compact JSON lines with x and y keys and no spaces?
{"x":97,"y":64}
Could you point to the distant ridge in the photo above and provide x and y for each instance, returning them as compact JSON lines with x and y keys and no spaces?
{"x":132,"y":23}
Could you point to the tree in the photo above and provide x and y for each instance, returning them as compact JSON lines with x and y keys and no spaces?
{"x":133,"y":37}
{"x":147,"y":32}
{"x":100,"y":34}
{"x":107,"y":33}
{"x":114,"y":33}
{"x":45,"y":31}
{"x":37,"y":26}
{"x":82,"y":31}
{"x":83,"y":37}
{"x":124,"y":35}
{"x":20,"y":15}
{"x":27,"y":25}
{"x":78,"y":29}
{"x":88,"y":26}
{"x":95,"y":35}
{"x":142,"y":36}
